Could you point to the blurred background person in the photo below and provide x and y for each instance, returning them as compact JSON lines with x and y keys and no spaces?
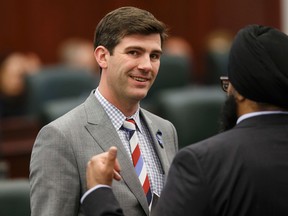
{"x":217,"y":47}
{"x":178,"y":46}
{"x":78,"y":53}
{"x":14,"y":66}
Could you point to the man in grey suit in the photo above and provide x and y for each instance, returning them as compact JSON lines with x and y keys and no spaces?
{"x":128,"y":46}
{"x":242,"y":171}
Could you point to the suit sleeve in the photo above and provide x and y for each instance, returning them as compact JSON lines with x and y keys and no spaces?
{"x":186,"y":190}
{"x":54,"y":177}
{"x":101,"y":202}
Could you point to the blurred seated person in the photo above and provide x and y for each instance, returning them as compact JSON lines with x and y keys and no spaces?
{"x":178,"y":46}
{"x":78,"y":53}
{"x":217,"y":47}
{"x":13,"y":69}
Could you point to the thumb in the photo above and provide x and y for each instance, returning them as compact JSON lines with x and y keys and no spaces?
{"x":112,"y":154}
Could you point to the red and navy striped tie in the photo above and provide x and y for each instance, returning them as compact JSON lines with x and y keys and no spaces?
{"x":137,"y":159}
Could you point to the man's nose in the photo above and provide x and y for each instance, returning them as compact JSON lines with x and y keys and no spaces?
{"x":145,"y":63}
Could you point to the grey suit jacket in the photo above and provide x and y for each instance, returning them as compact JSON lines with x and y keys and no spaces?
{"x":63,"y":148}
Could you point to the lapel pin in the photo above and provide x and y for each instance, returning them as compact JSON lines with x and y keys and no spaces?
{"x":159,"y":138}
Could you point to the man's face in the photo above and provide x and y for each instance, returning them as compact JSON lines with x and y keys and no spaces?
{"x":229,"y":114}
{"x":133,"y":67}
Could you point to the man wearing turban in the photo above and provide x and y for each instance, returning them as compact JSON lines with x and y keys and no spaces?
{"x":244,"y":169}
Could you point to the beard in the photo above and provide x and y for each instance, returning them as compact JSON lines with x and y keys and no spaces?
{"x":229,"y":116}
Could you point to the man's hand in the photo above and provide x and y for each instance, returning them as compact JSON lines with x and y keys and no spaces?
{"x":103,"y":168}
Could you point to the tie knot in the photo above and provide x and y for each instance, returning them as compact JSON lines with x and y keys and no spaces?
{"x":129,"y":124}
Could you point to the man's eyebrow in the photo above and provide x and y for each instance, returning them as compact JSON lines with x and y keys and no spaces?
{"x":158,"y":52}
{"x":143,"y":49}
{"x":135,"y":47}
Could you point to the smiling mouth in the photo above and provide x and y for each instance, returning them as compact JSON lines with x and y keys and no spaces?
{"x":140,"y":79}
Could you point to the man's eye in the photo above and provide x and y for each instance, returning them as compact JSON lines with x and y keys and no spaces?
{"x":155,"y":56}
{"x":134,"y":53}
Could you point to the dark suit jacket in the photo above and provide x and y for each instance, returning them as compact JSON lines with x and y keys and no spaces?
{"x":243,"y":171}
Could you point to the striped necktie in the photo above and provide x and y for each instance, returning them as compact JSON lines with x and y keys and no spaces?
{"x":138,"y":162}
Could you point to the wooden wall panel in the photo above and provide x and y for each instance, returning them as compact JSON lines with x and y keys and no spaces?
{"x":209,"y":15}
{"x":40,"y":25}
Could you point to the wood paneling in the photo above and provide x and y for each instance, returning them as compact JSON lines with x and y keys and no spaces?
{"x":17,"y":138}
{"x":40,"y":25}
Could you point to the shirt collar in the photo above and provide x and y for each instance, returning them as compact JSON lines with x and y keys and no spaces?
{"x":249,"y":115}
{"x":136,"y":118}
{"x":116,"y":116}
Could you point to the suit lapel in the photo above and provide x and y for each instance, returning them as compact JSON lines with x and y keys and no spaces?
{"x":102,"y":130}
{"x":159,"y":144}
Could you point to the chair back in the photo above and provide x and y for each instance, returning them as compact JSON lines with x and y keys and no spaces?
{"x":174,"y":72}
{"x":57,"y":83}
{"x":194,"y":111}
{"x":15,"y":197}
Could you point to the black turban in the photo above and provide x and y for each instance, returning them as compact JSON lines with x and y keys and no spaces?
{"x":258,"y":65}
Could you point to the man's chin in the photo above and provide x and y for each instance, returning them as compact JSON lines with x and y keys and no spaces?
{"x":139,"y":95}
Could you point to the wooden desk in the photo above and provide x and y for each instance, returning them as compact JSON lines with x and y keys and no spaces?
{"x":17,"y":138}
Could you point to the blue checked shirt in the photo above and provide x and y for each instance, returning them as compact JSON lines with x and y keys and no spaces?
{"x":148,"y":152}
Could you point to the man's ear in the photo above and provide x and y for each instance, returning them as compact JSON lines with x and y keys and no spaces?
{"x":101,"y":54}
{"x":232,"y":91}
{"x":239,"y":97}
